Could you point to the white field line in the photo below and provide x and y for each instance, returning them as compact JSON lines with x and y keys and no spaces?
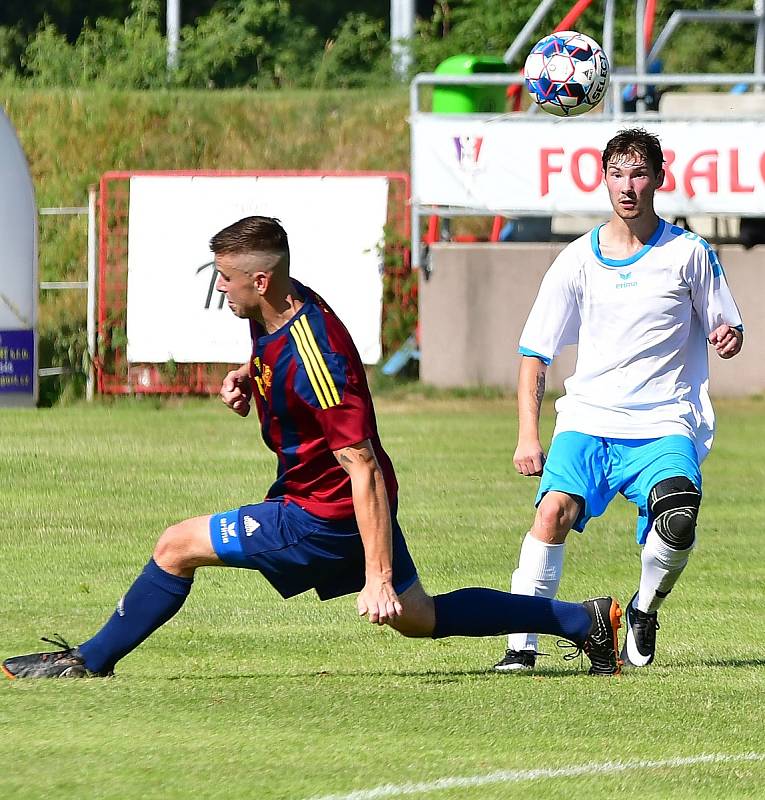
{"x":516,"y":776}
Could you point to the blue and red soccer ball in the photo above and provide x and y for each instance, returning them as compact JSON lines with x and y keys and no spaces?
{"x":566,"y":73}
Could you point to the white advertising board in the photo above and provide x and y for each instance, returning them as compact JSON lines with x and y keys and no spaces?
{"x":553,"y":167}
{"x":335,"y":229}
{"x":18,"y":274}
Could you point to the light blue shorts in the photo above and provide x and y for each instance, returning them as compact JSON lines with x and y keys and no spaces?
{"x":596,"y":468}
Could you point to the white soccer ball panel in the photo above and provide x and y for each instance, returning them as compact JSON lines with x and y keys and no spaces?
{"x":560,"y":68}
{"x":580,"y":40}
{"x":584,"y":72}
{"x":534,"y":66}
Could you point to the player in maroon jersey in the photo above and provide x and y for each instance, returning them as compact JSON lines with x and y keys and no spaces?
{"x":329,"y":521}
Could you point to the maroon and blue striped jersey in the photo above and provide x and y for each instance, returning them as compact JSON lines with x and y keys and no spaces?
{"x":312,"y":398}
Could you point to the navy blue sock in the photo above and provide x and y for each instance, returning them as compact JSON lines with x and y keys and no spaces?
{"x":151,"y":601}
{"x":488,"y":612}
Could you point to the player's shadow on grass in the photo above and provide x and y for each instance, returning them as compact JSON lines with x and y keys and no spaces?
{"x":489,"y":674}
{"x":734,"y":662}
{"x":431,"y":676}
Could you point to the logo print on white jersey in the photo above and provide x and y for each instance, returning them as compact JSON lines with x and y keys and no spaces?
{"x":626,"y":283}
{"x":250,"y":525}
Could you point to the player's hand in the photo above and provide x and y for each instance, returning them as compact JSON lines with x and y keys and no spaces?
{"x":529,"y":458}
{"x":726,"y":341}
{"x":378,"y":601}
{"x":236,"y":392}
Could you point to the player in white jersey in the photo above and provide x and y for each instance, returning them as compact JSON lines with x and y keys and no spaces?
{"x":643,"y":299}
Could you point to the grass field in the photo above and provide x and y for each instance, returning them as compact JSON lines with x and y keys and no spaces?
{"x":245,"y":696}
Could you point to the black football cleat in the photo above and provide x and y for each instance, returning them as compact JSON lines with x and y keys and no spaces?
{"x":517,"y":661}
{"x":640,"y":641}
{"x":66,"y":663}
{"x":602,"y":644}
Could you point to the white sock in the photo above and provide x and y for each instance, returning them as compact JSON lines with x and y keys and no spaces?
{"x":662,"y":566}
{"x":540,"y":567}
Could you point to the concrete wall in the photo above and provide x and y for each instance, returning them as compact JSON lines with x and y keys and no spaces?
{"x":474,"y":305}
{"x":685,"y":105}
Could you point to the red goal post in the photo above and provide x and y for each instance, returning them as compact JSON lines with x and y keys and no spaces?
{"x":115,"y":375}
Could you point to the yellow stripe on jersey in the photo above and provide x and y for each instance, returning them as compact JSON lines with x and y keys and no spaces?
{"x":320,"y":387}
{"x":311,"y":339}
{"x":316,"y":362}
{"x":297,"y":336}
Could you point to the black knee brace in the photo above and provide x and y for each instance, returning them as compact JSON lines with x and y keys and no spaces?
{"x":674,"y":505}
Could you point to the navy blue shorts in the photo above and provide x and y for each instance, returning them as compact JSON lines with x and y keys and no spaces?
{"x":297,"y":551}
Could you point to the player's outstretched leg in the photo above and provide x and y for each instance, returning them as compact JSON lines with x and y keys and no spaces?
{"x":65,"y":663}
{"x":591,"y":626}
{"x":155,"y":597}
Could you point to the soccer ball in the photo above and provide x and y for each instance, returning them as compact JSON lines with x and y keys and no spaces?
{"x":566,"y":73}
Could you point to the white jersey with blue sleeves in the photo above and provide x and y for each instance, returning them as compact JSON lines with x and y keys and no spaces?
{"x":641,"y":324}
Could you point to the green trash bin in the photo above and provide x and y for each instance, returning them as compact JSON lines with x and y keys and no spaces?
{"x":472,"y":99}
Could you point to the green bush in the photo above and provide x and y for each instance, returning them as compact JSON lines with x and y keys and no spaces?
{"x":11,"y":46}
{"x":64,"y":345}
{"x":111,"y":53}
{"x":248,"y":43}
{"x":357,"y":55}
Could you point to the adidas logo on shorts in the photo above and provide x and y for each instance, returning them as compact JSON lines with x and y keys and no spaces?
{"x":250,"y":525}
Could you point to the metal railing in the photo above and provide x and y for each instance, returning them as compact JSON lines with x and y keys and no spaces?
{"x":89,"y":285}
{"x":612,"y":103}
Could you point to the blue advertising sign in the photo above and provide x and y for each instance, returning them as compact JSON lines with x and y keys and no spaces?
{"x":17,"y":361}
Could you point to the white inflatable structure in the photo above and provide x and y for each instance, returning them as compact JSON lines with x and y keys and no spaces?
{"x":18,"y":274}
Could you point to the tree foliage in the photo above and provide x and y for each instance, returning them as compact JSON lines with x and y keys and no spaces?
{"x":247,"y":43}
{"x":358,"y":54}
{"x":276,"y":43}
{"x":130,"y":54}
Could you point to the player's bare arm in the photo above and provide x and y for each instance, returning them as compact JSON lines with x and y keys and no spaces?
{"x":727,"y":341}
{"x":529,"y":457}
{"x":378,"y":600}
{"x":236,"y":390}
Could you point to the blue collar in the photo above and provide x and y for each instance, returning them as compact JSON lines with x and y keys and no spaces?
{"x":625,"y":262}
